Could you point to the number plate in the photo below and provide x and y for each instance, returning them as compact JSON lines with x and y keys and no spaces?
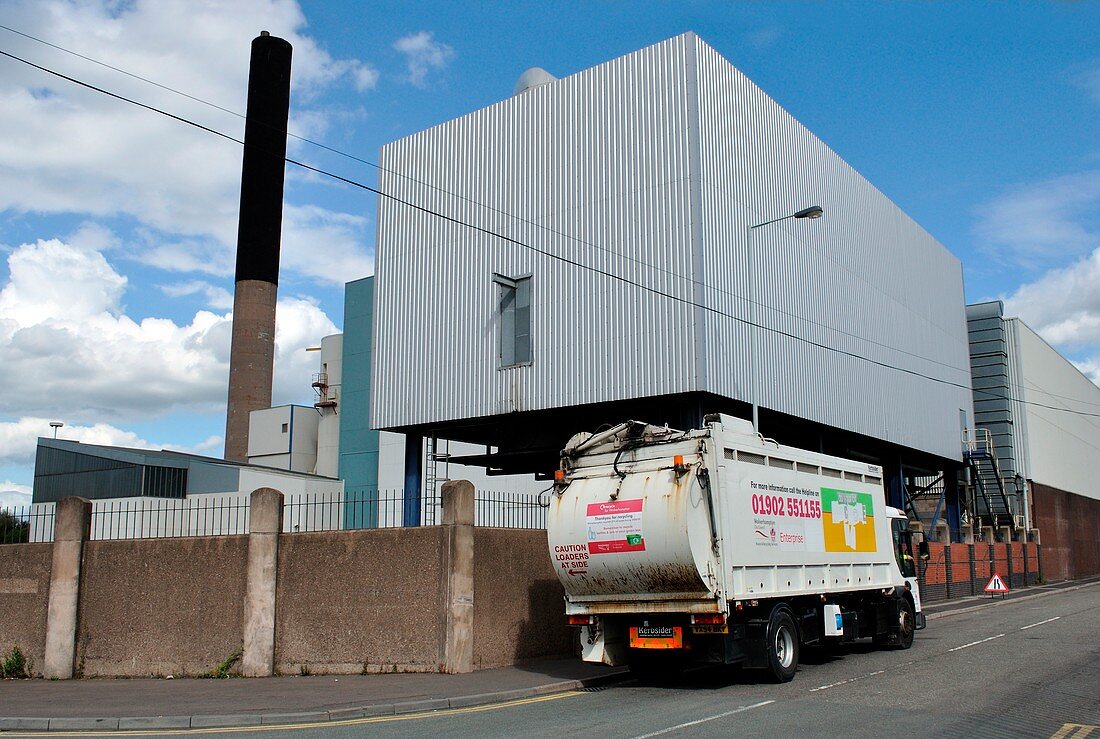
{"x":656,"y":637}
{"x":711,"y":629}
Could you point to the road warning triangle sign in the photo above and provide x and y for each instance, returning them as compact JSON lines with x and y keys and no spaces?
{"x":996,"y":585}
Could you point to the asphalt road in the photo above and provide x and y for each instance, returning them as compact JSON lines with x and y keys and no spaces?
{"x":1021,"y":668}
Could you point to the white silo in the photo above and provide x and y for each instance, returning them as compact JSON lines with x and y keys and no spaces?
{"x":327,"y":384}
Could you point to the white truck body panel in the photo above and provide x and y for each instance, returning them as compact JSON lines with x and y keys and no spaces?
{"x":744,"y":518}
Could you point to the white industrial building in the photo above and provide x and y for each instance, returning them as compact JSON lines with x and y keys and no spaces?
{"x":621,"y":243}
{"x":1042,"y":417}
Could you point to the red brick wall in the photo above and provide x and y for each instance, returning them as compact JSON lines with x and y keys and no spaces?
{"x":1069,"y":526}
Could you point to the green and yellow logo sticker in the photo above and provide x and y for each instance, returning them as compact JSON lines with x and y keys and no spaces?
{"x":848,"y":520}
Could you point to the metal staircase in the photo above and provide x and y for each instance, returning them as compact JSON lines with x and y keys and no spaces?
{"x":991,"y":501}
{"x":925,"y":496}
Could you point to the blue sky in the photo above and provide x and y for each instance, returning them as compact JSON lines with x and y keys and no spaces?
{"x":117,"y":227}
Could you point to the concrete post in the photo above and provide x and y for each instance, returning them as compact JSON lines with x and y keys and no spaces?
{"x":265,"y":525}
{"x":1033,"y":536}
{"x":987,"y":534}
{"x":72,"y":522}
{"x":1006,"y":534}
{"x":943,"y":532}
{"x":967,"y":532}
{"x":458,"y":574}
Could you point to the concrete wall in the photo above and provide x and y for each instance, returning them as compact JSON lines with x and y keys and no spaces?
{"x":360,"y":601}
{"x":24,"y":595}
{"x":1068,"y":524}
{"x":442,"y":598}
{"x":519,"y":604}
{"x":160,"y":606}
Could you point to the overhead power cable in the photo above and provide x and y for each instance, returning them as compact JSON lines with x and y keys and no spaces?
{"x":675,"y":274}
{"x":538,"y":250}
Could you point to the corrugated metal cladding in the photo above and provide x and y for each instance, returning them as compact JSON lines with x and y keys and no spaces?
{"x":591,"y":169}
{"x":841,"y":301}
{"x":652,"y":168}
{"x":992,"y":372}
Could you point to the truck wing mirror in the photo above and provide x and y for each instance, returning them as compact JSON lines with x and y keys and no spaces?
{"x":922,"y":549}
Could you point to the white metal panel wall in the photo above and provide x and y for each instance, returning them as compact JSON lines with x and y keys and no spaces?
{"x":652,"y":167}
{"x":1063,"y":440}
{"x":592,"y":168}
{"x":841,"y":300}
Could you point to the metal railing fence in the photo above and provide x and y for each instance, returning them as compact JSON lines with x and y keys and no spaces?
{"x":226,"y":515}
{"x":26,"y":523}
{"x":510,"y":510}
{"x":160,"y":518}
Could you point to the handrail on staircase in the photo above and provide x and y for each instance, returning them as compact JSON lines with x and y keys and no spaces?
{"x":977,"y":440}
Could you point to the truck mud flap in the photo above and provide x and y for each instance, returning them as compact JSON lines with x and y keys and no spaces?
{"x":921,"y":621}
{"x":753,"y":645}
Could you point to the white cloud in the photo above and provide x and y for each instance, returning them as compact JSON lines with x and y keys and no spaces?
{"x":1064,"y":304}
{"x":19,"y":439}
{"x":325,"y":245}
{"x":366,"y":77}
{"x":14,"y":494}
{"x":423,"y":54}
{"x":68,"y":350}
{"x":216,"y":297}
{"x":1090,"y":368}
{"x":1042,"y":224}
{"x":1089,"y":81}
{"x":70,"y":150}
{"x":764,"y":38}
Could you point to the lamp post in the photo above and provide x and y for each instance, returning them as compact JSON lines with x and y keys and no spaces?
{"x":55,"y":425}
{"x":812,"y":213}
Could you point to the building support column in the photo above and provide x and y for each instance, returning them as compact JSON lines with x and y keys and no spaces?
{"x":72,"y":523}
{"x":458,"y":574}
{"x":414,"y":482}
{"x":265,"y":525}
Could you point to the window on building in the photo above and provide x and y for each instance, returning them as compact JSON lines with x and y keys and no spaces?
{"x":286,"y":427}
{"x":515,"y":320}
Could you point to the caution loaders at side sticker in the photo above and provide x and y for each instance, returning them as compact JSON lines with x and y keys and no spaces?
{"x":996,"y":585}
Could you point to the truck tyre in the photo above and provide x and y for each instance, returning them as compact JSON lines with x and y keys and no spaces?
{"x":907,"y":624}
{"x":900,"y":636}
{"x":782,"y":646}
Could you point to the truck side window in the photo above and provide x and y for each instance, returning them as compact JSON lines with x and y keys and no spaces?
{"x":903,"y":550}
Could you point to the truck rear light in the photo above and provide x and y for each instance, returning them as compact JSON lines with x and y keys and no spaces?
{"x":581,"y":620}
{"x":708,"y":619}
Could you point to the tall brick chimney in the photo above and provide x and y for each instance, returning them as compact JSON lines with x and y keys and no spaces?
{"x":252,"y":357}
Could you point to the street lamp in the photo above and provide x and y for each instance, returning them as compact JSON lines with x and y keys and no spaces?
{"x":811,"y":213}
{"x":55,"y":425}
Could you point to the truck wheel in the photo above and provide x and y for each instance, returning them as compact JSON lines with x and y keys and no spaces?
{"x":907,"y":624}
{"x":782,"y":646}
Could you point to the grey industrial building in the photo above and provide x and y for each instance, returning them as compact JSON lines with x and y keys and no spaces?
{"x":620,"y":243}
{"x":63,"y":467}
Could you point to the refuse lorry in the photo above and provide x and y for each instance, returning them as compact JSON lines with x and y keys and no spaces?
{"x":719,"y":545}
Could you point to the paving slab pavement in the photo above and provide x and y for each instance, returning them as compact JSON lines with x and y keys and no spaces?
{"x":190,"y":702}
